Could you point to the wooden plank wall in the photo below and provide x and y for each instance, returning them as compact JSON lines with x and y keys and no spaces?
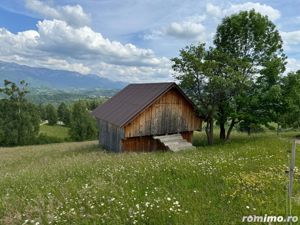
{"x":171,"y":113}
{"x":110,"y":136}
{"x":141,"y":144}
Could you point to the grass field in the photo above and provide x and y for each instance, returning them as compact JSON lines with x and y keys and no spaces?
{"x":78,"y":183}
{"x":55,"y":131}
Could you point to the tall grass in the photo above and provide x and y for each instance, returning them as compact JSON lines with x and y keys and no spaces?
{"x":79,"y":183}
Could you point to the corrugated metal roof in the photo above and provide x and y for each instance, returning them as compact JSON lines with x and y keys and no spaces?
{"x":125,"y":105}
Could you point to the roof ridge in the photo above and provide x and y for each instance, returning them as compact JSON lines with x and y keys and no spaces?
{"x":153,"y":83}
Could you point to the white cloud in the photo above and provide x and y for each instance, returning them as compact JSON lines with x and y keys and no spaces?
{"x":191,"y":28}
{"x":291,"y":38}
{"x":57,"y":45}
{"x":58,"y":37}
{"x":264,"y":9}
{"x":136,"y":73}
{"x":214,"y":10}
{"x":292,"y":65}
{"x":62,"y":64}
{"x":72,"y":14}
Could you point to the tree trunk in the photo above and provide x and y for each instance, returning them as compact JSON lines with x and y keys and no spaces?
{"x":222,"y":130}
{"x":209,"y":130}
{"x":230,"y":129}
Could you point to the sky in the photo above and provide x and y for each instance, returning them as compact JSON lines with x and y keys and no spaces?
{"x":126,"y":40}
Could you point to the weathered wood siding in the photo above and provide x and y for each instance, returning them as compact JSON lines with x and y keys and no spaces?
{"x":110,"y":136}
{"x":171,"y":113}
{"x":141,"y":144}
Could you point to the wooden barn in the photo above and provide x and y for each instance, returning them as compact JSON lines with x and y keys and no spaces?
{"x":147,"y":117}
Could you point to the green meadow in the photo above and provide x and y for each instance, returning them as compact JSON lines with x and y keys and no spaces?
{"x":80,"y":183}
{"x":55,"y":131}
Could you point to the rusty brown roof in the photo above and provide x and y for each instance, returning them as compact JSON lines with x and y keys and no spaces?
{"x":126,"y":104}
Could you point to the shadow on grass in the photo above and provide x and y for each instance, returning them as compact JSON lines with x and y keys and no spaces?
{"x":200,"y":140}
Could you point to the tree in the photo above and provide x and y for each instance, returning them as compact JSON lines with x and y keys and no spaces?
{"x":205,"y":80}
{"x":42,"y":111}
{"x":51,"y":114}
{"x":19,"y":119}
{"x":83,"y":126}
{"x":64,"y":114}
{"x":291,"y":92}
{"x":253,"y":48}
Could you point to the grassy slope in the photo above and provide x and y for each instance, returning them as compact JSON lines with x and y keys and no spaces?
{"x":55,"y":131}
{"x":77,"y":183}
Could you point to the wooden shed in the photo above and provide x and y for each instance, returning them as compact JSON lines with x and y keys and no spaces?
{"x":147,"y":117}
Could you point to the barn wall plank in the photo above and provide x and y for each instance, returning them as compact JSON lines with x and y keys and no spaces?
{"x":171,"y":113}
{"x":141,"y":144}
{"x":110,"y":136}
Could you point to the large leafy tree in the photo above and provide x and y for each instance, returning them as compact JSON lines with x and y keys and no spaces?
{"x":83,"y":125}
{"x":51,"y":114}
{"x":64,"y":114}
{"x":19,"y":119}
{"x":253,"y":48}
{"x":239,"y":78}
{"x":291,"y":93}
{"x":204,"y":78}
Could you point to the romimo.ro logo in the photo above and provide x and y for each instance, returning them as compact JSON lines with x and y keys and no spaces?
{"x":267,"y":218}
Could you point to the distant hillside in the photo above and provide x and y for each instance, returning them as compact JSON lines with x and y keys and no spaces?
{"x":54,"y":79}
{"x":54,"y":96}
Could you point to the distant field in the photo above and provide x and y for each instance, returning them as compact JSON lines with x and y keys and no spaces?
{"x":78,"y":183}
{"x":56,"y":131}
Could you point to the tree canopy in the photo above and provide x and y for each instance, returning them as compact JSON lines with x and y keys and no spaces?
{"x":83,"y":126}
{"x":239,"y":77}
{"x":19,"y":119}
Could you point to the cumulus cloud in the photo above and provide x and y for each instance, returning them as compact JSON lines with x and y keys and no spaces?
{"x":292,"y":65}
{"x":72,"y":14}
{"x":291,"y":38}
{"x":136,"y":73}
{"x":190,"y":28}
{"x":58,"y":37}
{"x":57,"y":45}
{"x":264,"y":9}
{"x":214,"y":10}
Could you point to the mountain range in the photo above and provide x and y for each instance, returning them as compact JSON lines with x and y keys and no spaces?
{"x":54,"y":79}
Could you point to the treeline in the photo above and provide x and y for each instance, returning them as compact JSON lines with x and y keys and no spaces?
{"x":20,"y":119}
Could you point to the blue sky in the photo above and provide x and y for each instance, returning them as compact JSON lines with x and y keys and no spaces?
{"x":126,"y":40}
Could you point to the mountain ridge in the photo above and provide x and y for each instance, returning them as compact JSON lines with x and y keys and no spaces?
{"x":55,"y":79}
